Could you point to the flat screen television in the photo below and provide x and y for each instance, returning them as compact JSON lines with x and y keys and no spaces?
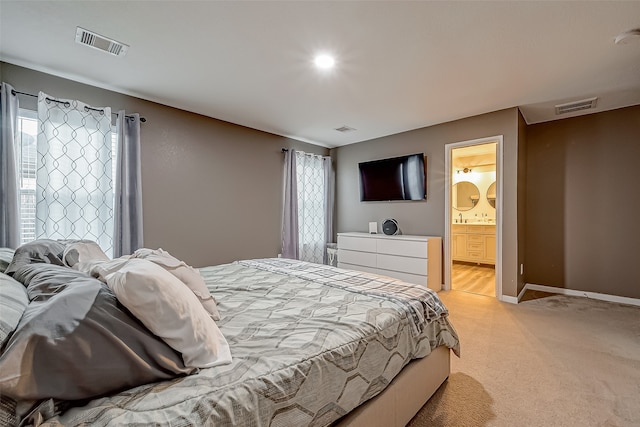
{"x":397,"y":178}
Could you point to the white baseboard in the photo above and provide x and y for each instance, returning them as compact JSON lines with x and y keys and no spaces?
{"x":514,"y":300}
{"x":510,"y":300}
{"x":575,"y":293}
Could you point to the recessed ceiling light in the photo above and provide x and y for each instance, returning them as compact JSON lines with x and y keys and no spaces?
{"x":324,"y":61}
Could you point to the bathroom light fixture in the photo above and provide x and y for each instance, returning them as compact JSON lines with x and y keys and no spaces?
{"x":628,"y":36}
{"x":324,"y":61}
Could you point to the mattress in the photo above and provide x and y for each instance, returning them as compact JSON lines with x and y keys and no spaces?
{"x":309,"y":344}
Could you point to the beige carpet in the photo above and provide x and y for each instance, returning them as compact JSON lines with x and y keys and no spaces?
{"x":552,"y":360}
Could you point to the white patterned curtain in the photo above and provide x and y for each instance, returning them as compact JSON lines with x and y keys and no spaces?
{"x":74,"y":194}
{"x":312,"y":215}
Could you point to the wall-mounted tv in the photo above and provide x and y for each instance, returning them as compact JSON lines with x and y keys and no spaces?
{"x":397,"y":178}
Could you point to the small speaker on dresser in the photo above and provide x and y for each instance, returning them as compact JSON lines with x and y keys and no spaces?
{"x":390,"y":227}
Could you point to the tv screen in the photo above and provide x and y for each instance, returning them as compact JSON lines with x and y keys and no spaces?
{"x":397,"y":178}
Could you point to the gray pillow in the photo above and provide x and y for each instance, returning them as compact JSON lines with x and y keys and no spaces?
{"x":75,"y":341}
{"x":38,"y":251}
{"x":6,"y":255}
{"x":13,"y":303}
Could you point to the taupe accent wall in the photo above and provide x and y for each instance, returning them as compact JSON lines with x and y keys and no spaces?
{"x":428,"y":217}
{"x":522,"y":199}
{"x":212,"y":190}
{"x":583,"y":203}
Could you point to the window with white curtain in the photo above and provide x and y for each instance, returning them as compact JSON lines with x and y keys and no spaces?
{"x":27,"y":172}
{"x":311,"y":183}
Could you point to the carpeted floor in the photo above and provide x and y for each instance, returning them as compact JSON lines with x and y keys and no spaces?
{"x":551,"y":360}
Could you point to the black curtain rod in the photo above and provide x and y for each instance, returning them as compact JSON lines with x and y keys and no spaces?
{"x":284,"y":150}
{"x":66,"y":103}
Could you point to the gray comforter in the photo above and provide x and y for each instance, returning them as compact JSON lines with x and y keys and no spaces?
{"x":75,"y":341}
{"x":305,"y":352}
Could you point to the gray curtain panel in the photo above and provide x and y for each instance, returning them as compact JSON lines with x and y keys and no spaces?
{"x":9,"y":199}
{"x":128,"y":234}
{"x":329,"y":200}
{"x":290,"y":245}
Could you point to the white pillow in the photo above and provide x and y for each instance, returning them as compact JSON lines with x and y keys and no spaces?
{"x":82,"y":251}
{"x":100,"y":269}
{"x":165,"y":306}
{"x":187,"y":275}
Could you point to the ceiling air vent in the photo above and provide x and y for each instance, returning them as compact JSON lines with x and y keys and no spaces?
{"x":96,"y":41}
{"x":571,"y":107}
{"x":345,"y":129}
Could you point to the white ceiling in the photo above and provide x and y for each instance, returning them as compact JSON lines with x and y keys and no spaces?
{"x":400,"y":65}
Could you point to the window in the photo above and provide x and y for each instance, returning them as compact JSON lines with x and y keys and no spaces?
{"x":312,"y":194}
{"x":27,"y":172}
{"x":27,"y":151}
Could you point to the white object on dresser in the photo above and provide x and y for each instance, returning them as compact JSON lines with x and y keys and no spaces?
{"x":414,"y":259}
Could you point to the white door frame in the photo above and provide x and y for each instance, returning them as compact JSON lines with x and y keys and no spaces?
{"x":447,"y":203}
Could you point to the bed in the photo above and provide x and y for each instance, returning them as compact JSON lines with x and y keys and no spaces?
{"x":311,"y":345}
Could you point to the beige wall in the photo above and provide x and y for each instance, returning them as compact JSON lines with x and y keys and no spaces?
{"x":428,"y":217}
{"x":522,"y":199}
{"x":582,"y":202}
{"x":212,"y":190}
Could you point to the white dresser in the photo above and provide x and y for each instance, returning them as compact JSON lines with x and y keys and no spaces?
{"x":414,"y":259}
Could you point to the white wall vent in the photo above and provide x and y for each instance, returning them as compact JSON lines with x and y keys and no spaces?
{"x":96,"y":41}
{"x":345,"y":129}
{"x":571,"y":107}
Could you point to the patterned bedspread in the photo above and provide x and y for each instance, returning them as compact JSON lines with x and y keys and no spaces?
{"x":309,"y":344}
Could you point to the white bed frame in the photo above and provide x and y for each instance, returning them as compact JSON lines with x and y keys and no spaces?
{"x":407,"y":393}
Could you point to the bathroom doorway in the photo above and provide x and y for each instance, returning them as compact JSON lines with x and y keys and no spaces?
{"x":473,"y":216}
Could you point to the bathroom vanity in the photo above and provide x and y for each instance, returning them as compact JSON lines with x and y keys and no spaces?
{"x":474,"y":243}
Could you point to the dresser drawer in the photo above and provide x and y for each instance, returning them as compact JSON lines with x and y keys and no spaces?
{"x":410,"y":248}
{"x":362,"y":244}
{"x":399,"y":263}
{"x":367,"y":259}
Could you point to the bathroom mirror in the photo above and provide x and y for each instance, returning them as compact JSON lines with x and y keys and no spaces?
{"x":491,"y":195}
{"x":465,"y":196}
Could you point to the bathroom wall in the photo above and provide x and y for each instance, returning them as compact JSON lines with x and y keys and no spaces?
{"x":482,"y":179}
